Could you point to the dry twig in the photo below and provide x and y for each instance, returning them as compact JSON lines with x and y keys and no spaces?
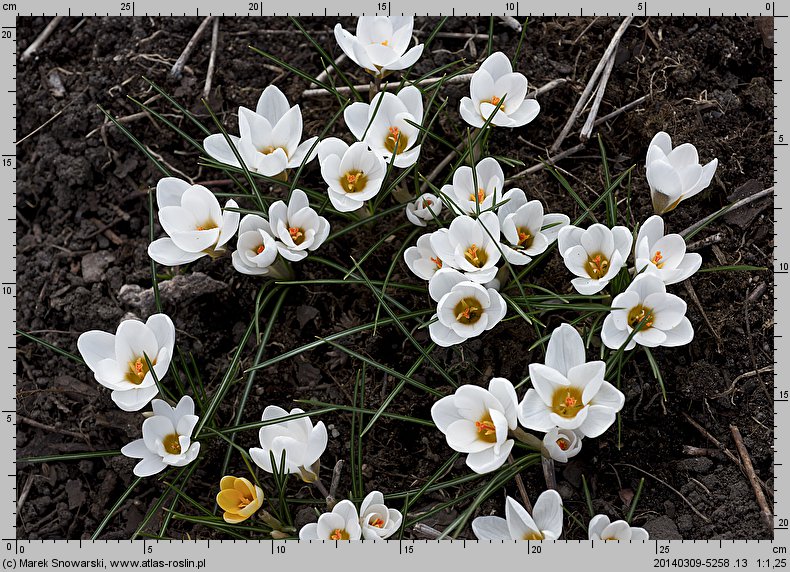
{"x":178,"y":68}
{"x":765,"y":511}
{"x":42,"y":37}
{"x":592,"y":82}
{"x":212,"y":60}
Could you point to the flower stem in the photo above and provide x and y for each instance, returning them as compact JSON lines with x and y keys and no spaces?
{"x":330,"y":501}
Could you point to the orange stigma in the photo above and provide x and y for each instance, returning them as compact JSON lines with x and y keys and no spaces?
{"x":657,"y":259}
{"x":495,"y":100}
{"x":201,"y":228}
{"x":570,"y":400}
{"x":260,"y":249}
{"x":351,"y":178}
{"x":394,"y":131}
{"x":427,"y":203}
{"x":295,"y":232}
{"x":481,"y":195}
{"x":437,"y":261}
{"x":338,"y":534}
{"x":597,"y":266}
{"x":485,"y":427}
{"x":138,"y":367}
{"x":563,"y":444}
{"x":378,"y":523}
{"x":385,"y":43}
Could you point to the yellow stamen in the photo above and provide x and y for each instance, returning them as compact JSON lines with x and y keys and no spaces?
{"x":486,"y":430}
{"x":597,"y":265}
{"x":476,"y":256}
{"x":533,"y":536}
{"x":353,"y":181}
{"x":171,"y":444}
{"x":378,"y":523}
{"x":468,"y":311}
{"x":396,"y":142}
{"x":525,"y":238}
{"x":481,"y":196}
{"x":138,"y":369}
{"x":657,"y":259}
{"x":339,"y":534}
{"x":385,"y":43}
{"x":296,"y":235}
{"x":567,"y":402}
{"x":638,"y":314}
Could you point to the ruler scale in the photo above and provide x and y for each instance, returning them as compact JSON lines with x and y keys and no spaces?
{"x":18,"y":553}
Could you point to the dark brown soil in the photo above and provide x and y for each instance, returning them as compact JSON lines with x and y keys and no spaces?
{"x":83,"y":232}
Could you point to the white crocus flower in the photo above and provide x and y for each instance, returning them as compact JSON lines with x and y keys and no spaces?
{"x":662,"y":315}
{"x":377,"y":521}
{"x":166,"y":438}
{"x":568,"y":392}
{"x":495,"y":83}
{"x":470,"y":246}
{"x":353,"y":173}
{"x":421,"y":259}
{"x":424,"y":208}
{"x":385,"y":124}
{"x":256,"y":249}
{"x":601,"y":528}
{"x":194,"y":222}
{"x":118,"y":361}
{"x":545,"y":523}
{"x":476,"y":192}
{"x":381,"y":44}
{"x":340,"y":524}
{"x":270,"y":135}
{"x":526,"y":231}
{"x":477,"y":421}
{"x":594,"y":255}
{"x":675,"y":175}
{"x":302,"y":442}
{"x":562,"y":444}
{"x":297,"y":227}
{"x":664,"y":254}
{"x":465,"y":309}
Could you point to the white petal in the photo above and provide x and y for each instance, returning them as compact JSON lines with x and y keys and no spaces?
{"x":565,"y":349}
{"x":491,"y":528}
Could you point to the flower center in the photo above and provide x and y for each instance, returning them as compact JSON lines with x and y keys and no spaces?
{"x":486,"y":430}
{"x":437,"y":261}
{"x":525,"y":238}
{"x":495,"y":101}
{"x":353,"y":181}
{"x":567,"y":402}
{"x":376,"y":521}
{"x":657,"y":258}
{"x":532,"y":535}
{"x":244,"y":501}
{"x":563,"y":444}
{"x":481,"y":196}
{"x":426,"y":203}
{"x":269,"y":149}
{"x":137,"y":370}
{"x":208,"y":225}
{"x":396,"y":142}
{"x":260,"y":249}
{"x":385,"y":43}
{"x":476,"y":256}
{"x":639,"y":313}
{"x":171,"y":444}
{"x":468,"y":311}
{"x":339,"y":534}
{"x":297,"y":235}
{"x":597,"y":265}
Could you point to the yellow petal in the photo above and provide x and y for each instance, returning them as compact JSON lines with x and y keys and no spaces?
{"x":227,"y":482}
{"x":234,"y":518}
{"x":244,"y":487}
{"x":228,"y":500}
{"x":251,"y":508}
